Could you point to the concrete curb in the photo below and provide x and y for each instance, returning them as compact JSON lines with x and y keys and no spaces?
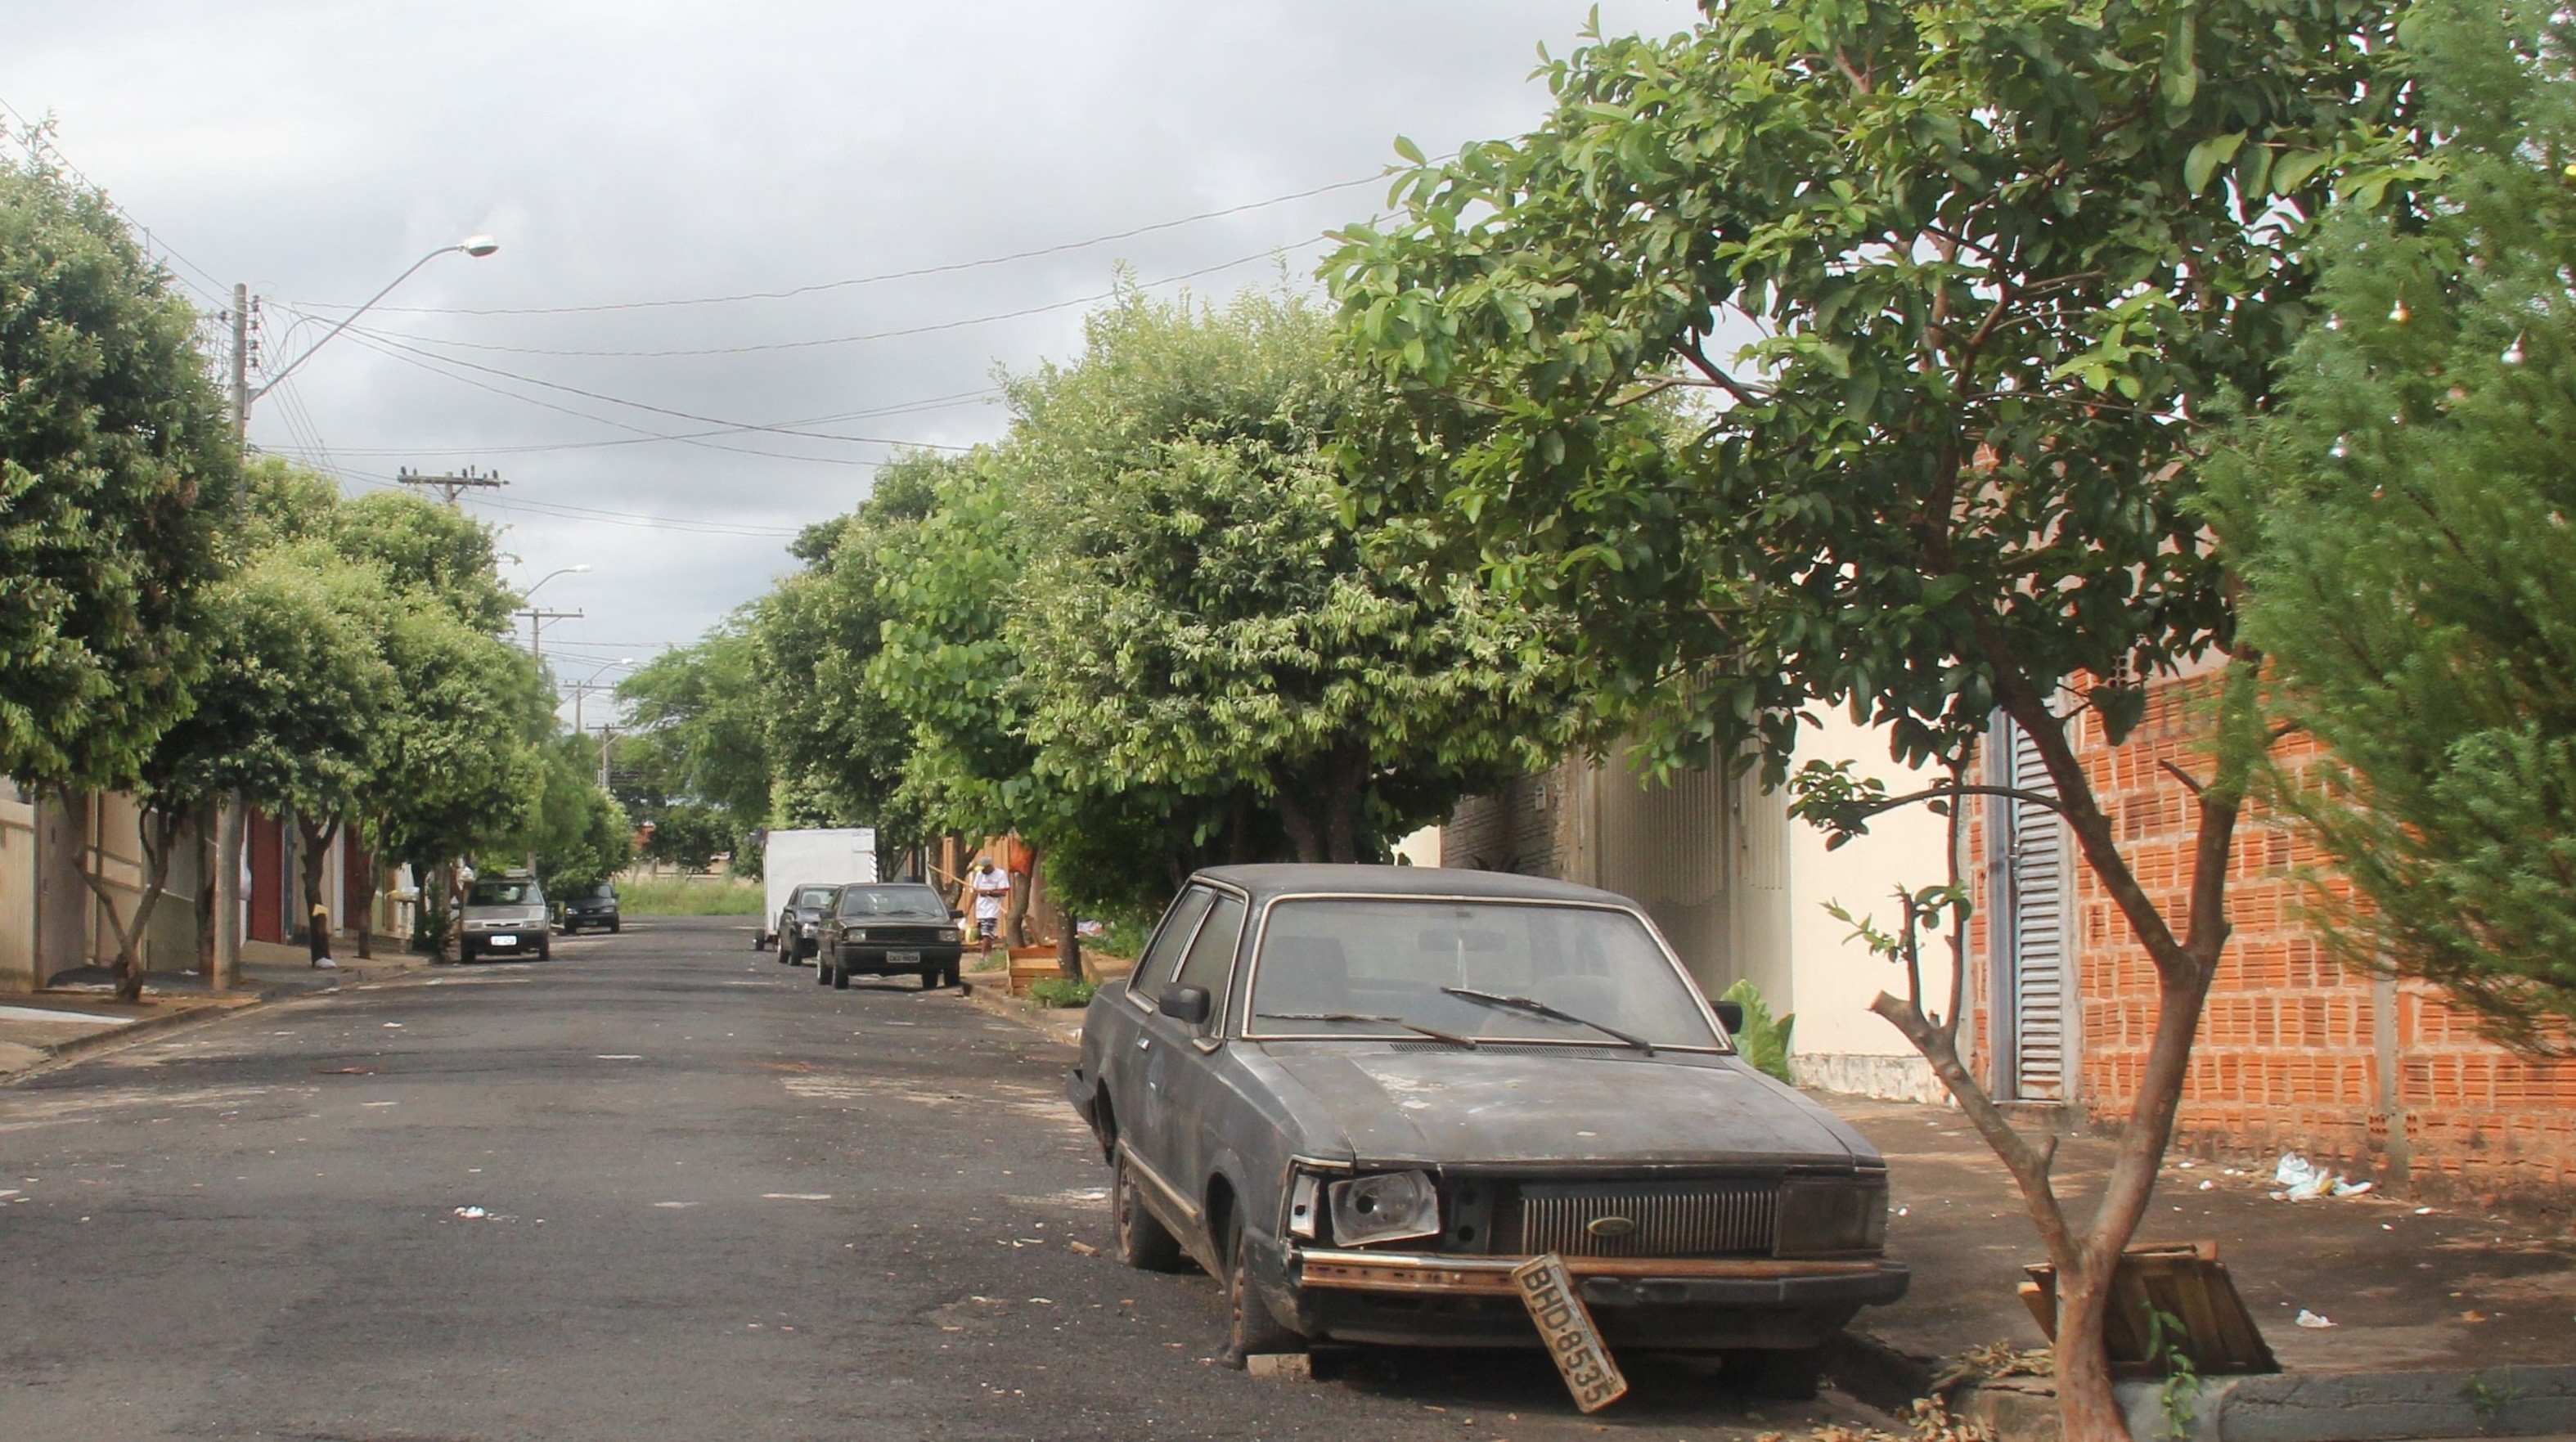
{"x":62,"y":1052}
{"x":2301,"y":1406}
{"x":1003,"y":1004}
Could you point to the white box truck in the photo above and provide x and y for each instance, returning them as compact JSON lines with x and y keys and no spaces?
{"x":819,"y":857}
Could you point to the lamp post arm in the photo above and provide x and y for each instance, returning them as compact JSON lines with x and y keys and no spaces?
{"x":345,"y":321}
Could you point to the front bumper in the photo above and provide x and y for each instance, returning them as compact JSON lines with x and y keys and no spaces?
{"x":1690,"y":1303}
{"x":523,"y":939}
{"x":872,"y":958}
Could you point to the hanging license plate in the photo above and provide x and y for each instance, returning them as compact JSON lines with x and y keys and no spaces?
{"x":1566,"y":1326}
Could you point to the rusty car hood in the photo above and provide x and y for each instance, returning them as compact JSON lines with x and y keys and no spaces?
{"x":1532,"y":1106}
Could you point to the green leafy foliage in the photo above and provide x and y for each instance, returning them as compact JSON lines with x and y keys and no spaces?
{"x":2406,"y":515}
{"x":1062,"y":991}
{"x":117,"y":475}
{"x":1959,"y":292}
{"x":1763,"y":1040}
{"x":578,"y":832}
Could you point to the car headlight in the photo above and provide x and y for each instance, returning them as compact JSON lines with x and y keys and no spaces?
{"x":1385,"y":1208}
{"x":858,"y":936}
{"x":809,"y":928}
{"x":1822,"y":1216}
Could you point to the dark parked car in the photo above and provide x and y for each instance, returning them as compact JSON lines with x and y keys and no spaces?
{"x":800,"y":922}
{"x":592,"y":906}
{"x":889,"y":930}
{"x":1360,"y":1095}
{"x":504,"y":915}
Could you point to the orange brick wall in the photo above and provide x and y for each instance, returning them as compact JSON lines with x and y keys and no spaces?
{"x":2289,"y":1052}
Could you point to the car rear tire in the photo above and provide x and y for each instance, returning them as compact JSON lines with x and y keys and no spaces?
{"x":1143,"y":1243}
{"x":1250,"y":1330}
{"x":1789,"y":1374}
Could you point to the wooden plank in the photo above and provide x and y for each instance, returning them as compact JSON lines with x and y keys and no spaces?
{"x":2186,"y":1282}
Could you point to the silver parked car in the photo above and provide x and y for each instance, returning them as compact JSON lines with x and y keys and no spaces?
{"x":505,"y":915}
{"x":1361,"y":1095}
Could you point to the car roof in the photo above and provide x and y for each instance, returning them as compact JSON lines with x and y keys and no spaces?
{"x":1263,"y":883}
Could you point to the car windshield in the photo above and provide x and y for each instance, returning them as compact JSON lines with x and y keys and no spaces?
{"x":918,"y":902}
{"x":505,"y":893}
{"x":604,"y":891}
{"x":1480,"y":971}
{"x":813,"y":898}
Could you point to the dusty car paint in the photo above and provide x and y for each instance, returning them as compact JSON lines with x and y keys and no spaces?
{"x":1219,"y":1127}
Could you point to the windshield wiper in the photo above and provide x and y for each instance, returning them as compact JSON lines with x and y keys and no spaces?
{"x":1536,"y":1007}
{"x":1433,"y":1032}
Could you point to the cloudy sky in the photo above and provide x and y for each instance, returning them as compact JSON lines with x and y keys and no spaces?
{"x":723,"y":216}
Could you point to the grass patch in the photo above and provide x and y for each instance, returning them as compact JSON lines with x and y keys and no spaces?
{"x":1062,"y":991}
{"x":690,"y":896}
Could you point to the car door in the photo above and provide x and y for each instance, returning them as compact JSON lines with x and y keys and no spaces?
{"x":1127,"y":1050}
{"x":1182,"y":1094}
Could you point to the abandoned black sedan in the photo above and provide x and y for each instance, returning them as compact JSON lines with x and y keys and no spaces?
{"x":1362,"y":1095}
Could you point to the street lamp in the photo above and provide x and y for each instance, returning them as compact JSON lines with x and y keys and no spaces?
{"x":476,"y":246}
{"x":538,"y":616}
{"x":583,"y":688}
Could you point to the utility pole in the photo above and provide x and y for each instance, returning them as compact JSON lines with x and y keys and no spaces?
{"x":241,"y":365}
{"x":450,"y":486}
{"x":537,"y":620}
{"x":607,"y":739}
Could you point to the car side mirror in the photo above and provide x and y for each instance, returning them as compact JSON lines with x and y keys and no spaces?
{"x":1730,"y":1015}
{"x":956,"y":915}
{"x":1185,"y":1004}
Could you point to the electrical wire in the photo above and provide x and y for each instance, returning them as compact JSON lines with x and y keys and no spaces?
{"x":759,"y":347}
{"x":988,"y":396}
{"x":28,"y":127}
{"x":802,"y":290}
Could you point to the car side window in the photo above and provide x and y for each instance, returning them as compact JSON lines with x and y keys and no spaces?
{"x":1180,"y":924}
{"x":1211,"y":958}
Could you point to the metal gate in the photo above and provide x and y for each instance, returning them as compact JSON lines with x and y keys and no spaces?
{"x":2031,"y":978}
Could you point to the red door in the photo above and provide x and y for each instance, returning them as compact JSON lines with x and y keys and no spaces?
{"x":266,"y":844}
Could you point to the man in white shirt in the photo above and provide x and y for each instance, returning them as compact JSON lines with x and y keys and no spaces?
{"x":991,"y":884}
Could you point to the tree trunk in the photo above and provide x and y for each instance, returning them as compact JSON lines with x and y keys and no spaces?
{"x":1015,"y":915}
{"x":1303,"y":833}
{"x":1342,"y":808}
{"x":2087,"y":1409}
{"x":317,"y":920}
{"x":1068,"y":945}
{"x":154,"y":830}
{"x":209,"y":895}
{"x":380,"y":878}
{"x":228,"y":911}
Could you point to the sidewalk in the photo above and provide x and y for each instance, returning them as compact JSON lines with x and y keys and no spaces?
{"x":78,"y":1012}
{"x":2410,"y":1290}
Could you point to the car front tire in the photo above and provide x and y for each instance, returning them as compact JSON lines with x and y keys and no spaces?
{"x":464,"y":952}
{"x":1250,"y":1330}
{"x":546,"y":950}
{"x":1143,"y":1243}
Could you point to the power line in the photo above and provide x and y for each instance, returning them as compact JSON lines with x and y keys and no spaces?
{"x":758,"y":347}
{"x":150,"y":241}
{"x":927,"y":270}
{"x":986,"y":396}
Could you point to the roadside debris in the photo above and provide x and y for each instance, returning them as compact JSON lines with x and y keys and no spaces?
{"x":473,"y":1214}
{"x":2311,"y":1320}
{"x":1281,"y":1366}
{"x":2301,"y":1180}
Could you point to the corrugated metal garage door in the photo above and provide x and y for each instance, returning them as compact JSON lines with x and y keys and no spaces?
{"x":2035,"y":928}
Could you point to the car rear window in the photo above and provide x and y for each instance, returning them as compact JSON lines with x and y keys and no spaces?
{"x":1413,"y":959}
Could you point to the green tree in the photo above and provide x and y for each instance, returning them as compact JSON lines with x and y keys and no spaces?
{"x":838,"y":745}
{"x":1200,"y":615}
{"x":698,"y":735}
{"x":577,"y":831}
{"x":1959,"y":285}
{"x":117,"y":474}
{"x":2406,"y":522}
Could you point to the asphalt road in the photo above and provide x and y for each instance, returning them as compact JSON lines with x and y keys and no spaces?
{"x":718,"y":1201}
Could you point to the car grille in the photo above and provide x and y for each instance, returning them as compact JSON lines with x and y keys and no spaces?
{"x":1667,"y":1219}
{"x":908,"y":935}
